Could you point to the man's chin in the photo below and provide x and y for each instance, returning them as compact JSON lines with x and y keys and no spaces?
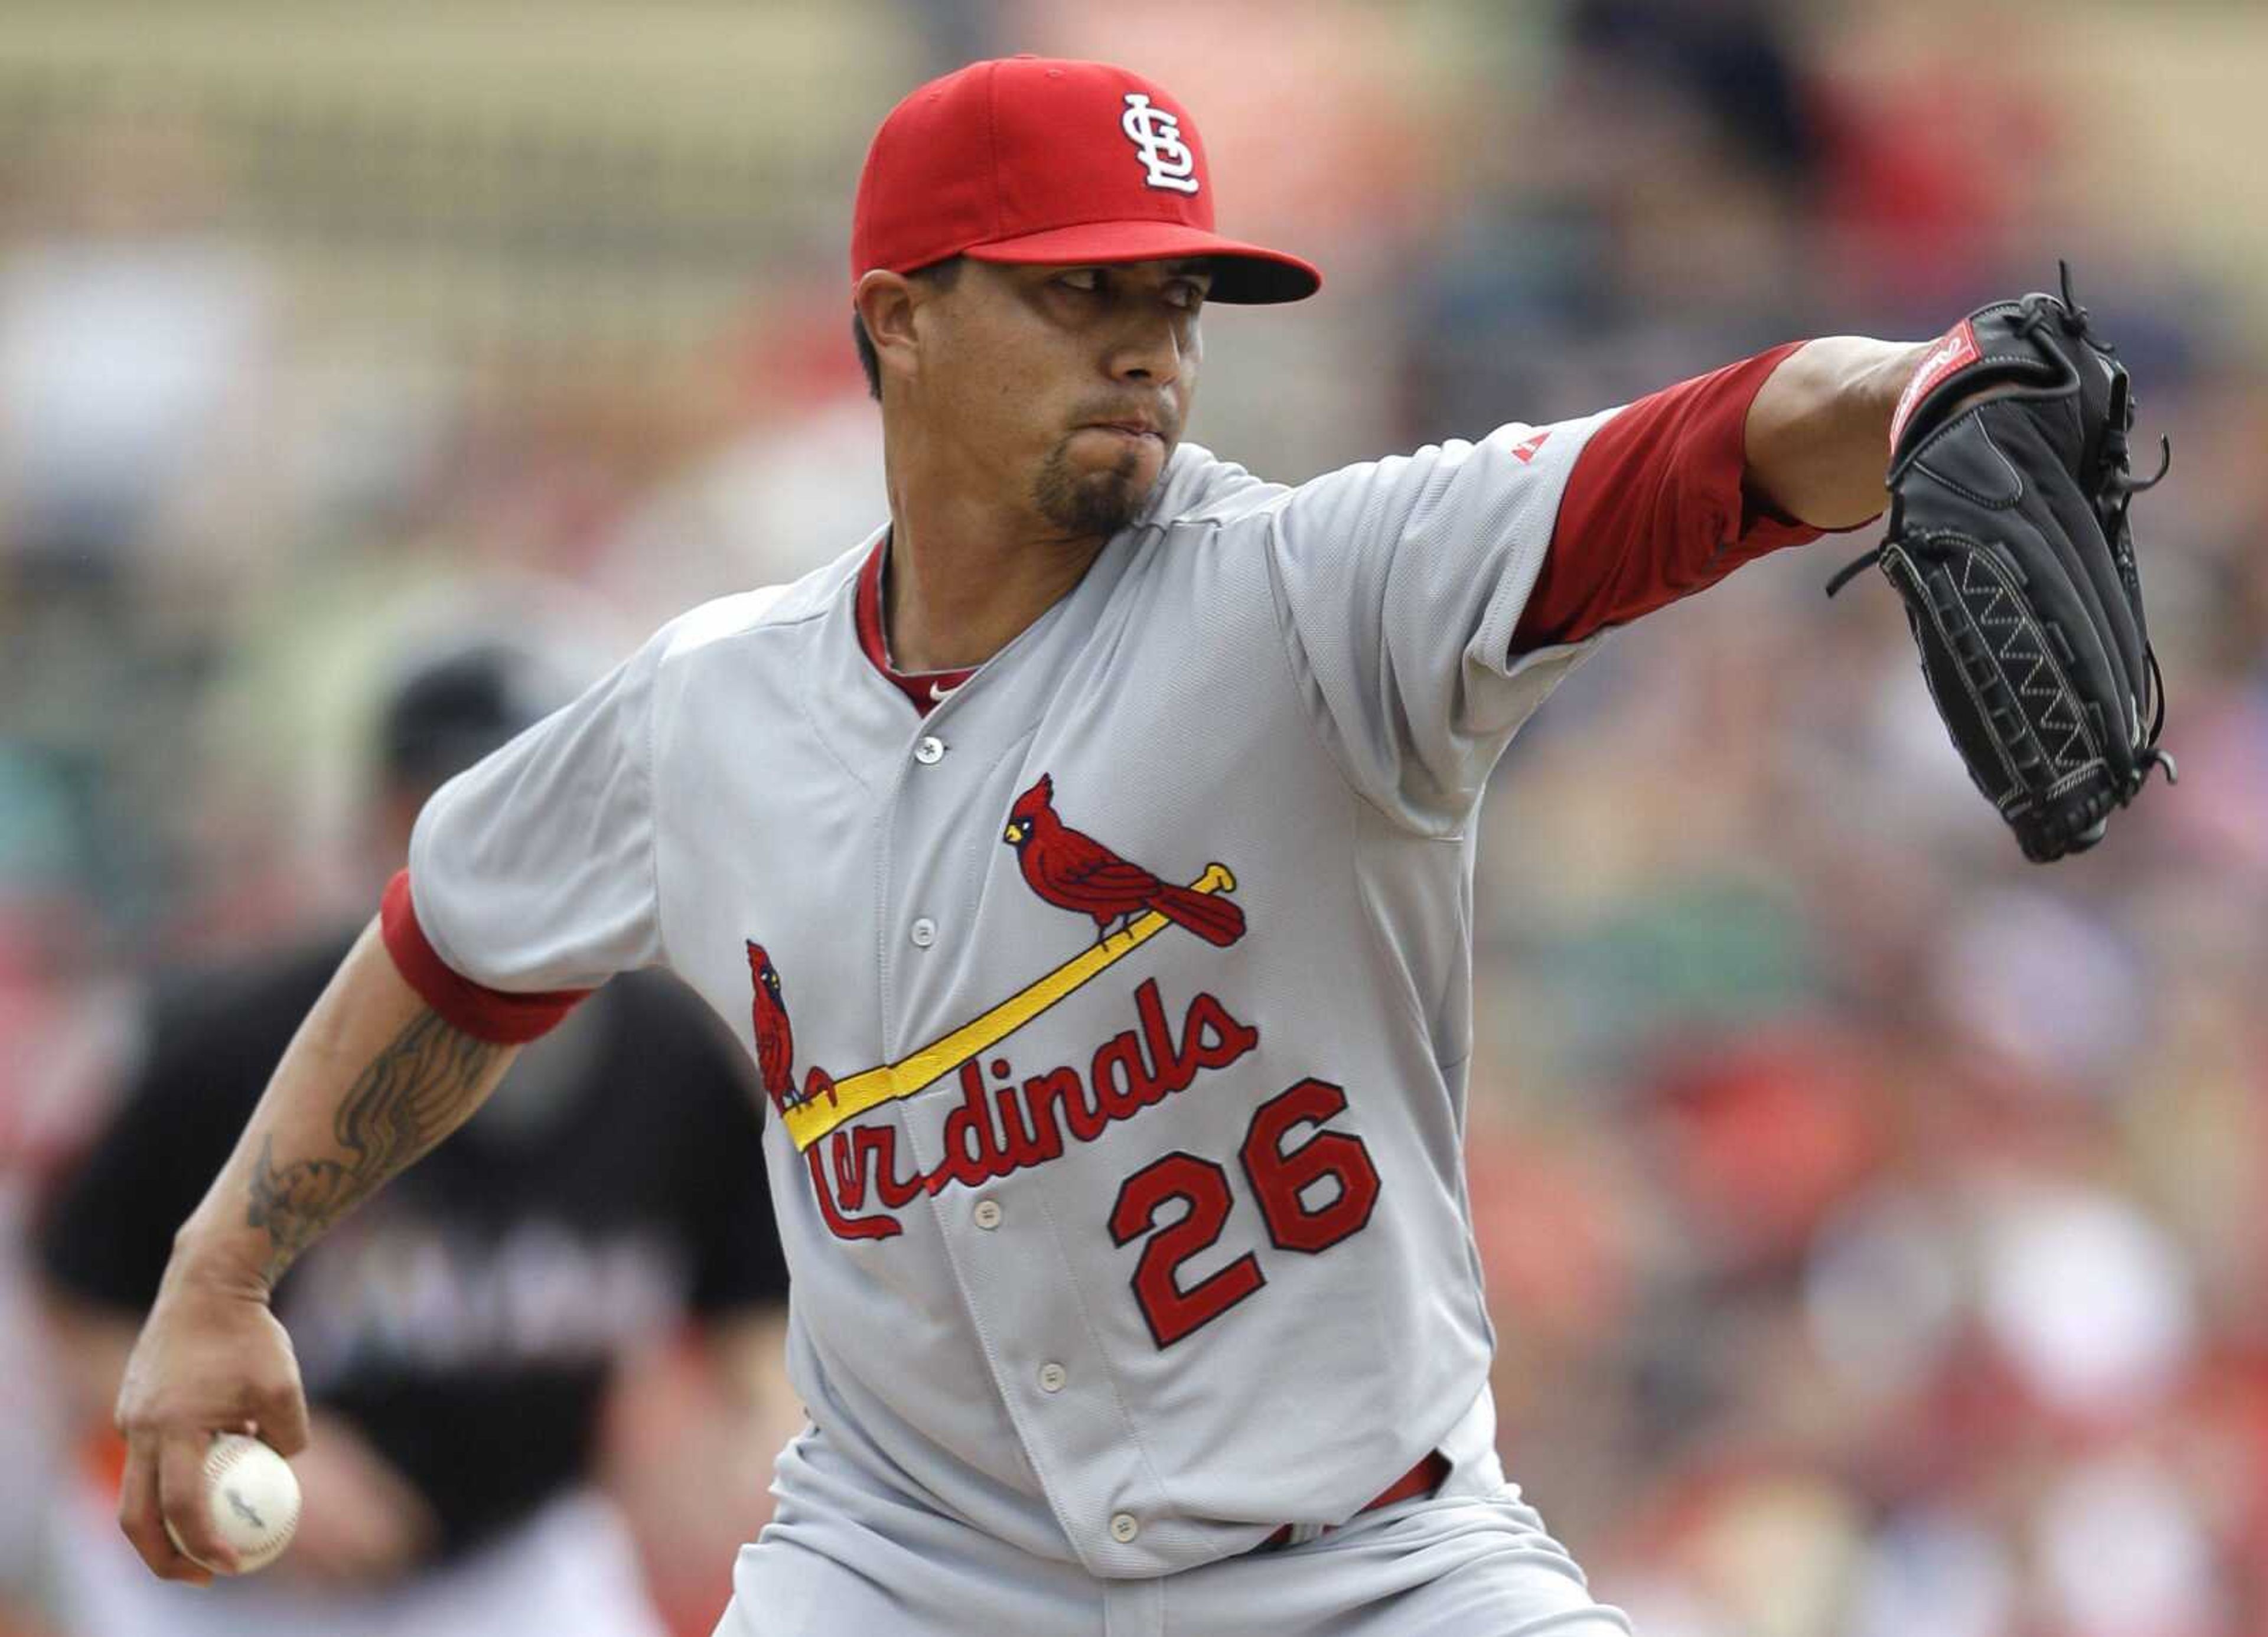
{"x":1100,"y":502}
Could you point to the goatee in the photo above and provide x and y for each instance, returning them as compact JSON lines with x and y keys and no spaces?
{"x":1089,"y":502}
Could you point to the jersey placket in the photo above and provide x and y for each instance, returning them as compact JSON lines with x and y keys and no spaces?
{"x":1018,"y":1280}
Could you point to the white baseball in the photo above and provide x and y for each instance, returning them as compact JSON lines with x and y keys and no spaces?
{"x":252,"y":1498}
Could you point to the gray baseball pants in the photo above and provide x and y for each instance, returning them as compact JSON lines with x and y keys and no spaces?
{"x":843,"y":1554}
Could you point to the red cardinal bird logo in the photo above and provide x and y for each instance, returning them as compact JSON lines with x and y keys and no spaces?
{"x":775,"y":1037}
{"x":1076,"y":872}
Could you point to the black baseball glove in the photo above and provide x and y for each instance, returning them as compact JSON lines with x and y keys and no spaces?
{"x":2009,"y":541}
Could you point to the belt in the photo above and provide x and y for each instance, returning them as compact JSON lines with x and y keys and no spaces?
{"x":1421,"y":1480}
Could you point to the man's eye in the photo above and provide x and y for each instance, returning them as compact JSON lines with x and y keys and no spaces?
{"x":1189,"y":296}
{"x":1089,"y":281}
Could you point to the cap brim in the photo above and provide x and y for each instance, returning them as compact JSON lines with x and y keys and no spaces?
{"x":1244,"y":273}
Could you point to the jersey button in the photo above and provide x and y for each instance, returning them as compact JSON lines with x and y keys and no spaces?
{"x":1052,"y":1376}
{"x":930,"y":751}
{"x":922,"y":932}
{"x":987,"y":1213}
{"x":1123,"y":1528}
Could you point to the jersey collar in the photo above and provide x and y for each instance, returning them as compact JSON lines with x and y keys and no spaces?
{"x":927,"y":689}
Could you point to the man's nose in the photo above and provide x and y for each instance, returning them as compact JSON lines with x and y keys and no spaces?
{"x":1149,"y":351}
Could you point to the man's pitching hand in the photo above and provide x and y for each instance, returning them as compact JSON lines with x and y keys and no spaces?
{"x":211,"y":1358}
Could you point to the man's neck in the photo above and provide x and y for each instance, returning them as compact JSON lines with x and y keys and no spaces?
{"x":965,"y":580}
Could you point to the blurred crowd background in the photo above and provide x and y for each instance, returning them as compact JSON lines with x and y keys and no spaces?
{"x":1875,"y":1223}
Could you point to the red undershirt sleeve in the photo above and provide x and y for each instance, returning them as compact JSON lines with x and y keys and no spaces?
{"x":468,"y":1006}
{"x":1655,"y":509}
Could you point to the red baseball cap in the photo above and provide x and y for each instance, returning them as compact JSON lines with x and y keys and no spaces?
{"x":1029,"y":160}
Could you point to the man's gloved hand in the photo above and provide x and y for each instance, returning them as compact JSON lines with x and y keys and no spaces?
{"x":2008,"y":540}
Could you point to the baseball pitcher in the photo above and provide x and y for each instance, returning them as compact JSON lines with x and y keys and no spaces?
{"x":1086,"y":859}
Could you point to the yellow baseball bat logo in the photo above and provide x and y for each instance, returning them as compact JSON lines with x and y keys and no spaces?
{"x":809,"y":1120}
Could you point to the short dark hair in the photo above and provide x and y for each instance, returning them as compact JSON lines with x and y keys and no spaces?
{"x":944,"y":274}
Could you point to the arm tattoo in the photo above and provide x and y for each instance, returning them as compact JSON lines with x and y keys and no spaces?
{"x":414,"y":1093}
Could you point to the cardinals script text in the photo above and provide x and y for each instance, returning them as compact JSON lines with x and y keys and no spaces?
{"x":1014,"y":1125}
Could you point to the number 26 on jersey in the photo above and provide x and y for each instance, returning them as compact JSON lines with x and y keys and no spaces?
{"x":1302,"y":1214}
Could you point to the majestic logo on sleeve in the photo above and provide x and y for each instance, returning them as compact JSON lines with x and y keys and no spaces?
{"x":998,"y":1129}
{"x":1156,"y":133}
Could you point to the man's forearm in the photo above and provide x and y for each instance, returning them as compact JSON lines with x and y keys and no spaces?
{"x":1819,"y":430}
{"x":373,"y":1080}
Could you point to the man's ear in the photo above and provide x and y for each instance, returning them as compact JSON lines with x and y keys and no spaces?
{"x":886,"y":303}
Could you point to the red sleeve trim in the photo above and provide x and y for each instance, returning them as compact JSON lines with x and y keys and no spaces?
{"x":1655,"y":509}
{"x":470,"y":1007}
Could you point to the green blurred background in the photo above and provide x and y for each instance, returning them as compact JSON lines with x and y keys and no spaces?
{"x":1873,"y":1222}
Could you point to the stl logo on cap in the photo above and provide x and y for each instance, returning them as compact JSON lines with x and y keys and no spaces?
{"x":1157,"y":134}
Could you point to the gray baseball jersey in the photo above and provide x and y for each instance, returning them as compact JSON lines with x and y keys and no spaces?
{"x":1114,"y":1014}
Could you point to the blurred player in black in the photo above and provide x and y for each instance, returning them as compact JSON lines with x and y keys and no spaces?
{"x":459,"y":1335}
